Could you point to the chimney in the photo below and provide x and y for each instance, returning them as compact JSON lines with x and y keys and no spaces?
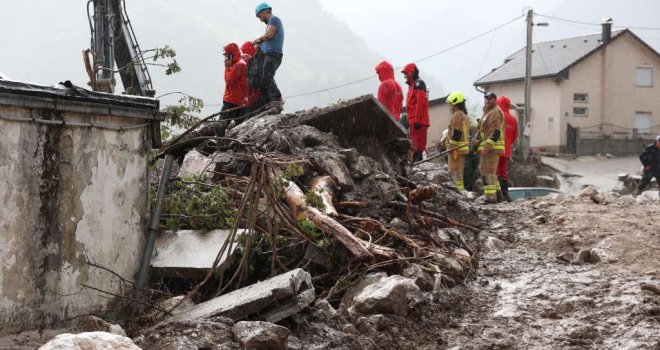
{"x":607,"y":30}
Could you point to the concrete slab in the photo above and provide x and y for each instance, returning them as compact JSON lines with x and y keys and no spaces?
{"x":268,"y":298}
{"x":188,"y":253}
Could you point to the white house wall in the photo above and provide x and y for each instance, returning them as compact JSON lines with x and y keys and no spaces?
{"x":70,"y":195}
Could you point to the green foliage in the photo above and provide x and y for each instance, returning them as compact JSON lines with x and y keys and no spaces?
{"x":189,"y":205}
{"x":313,"y":199}
{"x":164,"y":53}
{"x":282,"y":178}
{"x":310,"y":229}
{"x":180,"y":116}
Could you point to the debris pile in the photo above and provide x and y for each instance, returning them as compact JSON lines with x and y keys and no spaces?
{"x":322,"y":207}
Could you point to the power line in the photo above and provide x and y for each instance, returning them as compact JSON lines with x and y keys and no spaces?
{"x":591,"y":23}
{"x":416,"y":61}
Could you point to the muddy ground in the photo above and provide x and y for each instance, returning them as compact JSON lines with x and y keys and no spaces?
{"x":534,"y":289}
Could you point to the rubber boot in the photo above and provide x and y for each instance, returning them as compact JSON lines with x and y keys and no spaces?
{"x":504,"y":184}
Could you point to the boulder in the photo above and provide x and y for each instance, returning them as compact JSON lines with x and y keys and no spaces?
{"x":189,"y":334}
{"x":90,"y":341}
{"x":197,"y":164}
{"x":96,"y":324}
{"x":493,"y":244}
{"x":354,"y":290}
{"x":389,"y":295}
{"x":259,"y":335}
{"x":422,"y":279}
{"x":593,"y":194}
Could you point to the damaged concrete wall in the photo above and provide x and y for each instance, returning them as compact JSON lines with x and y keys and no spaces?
{"x":71,"y":195}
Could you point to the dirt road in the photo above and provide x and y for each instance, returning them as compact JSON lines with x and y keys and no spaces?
{"x":568,"y":274}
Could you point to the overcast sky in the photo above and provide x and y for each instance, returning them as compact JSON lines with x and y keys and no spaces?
{"x":40,"y":41}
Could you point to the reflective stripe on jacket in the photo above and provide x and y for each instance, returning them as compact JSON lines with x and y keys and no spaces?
{"x":491,"y":131}
{"x":458,"y":132}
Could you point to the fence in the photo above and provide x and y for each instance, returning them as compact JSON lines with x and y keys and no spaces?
{"x":608,"y":138}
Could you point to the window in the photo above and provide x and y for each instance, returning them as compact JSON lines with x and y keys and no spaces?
{"x":581,"y":98}
{"x":644,"y":76}
{"x":580,"y":111}
{"x":643,"y":122}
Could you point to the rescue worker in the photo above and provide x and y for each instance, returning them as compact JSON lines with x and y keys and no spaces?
{"x":510,"y":137}
{"x":271,"y":44}
{"x":390,"y":93}
{"x":471,"y":172}
{"x":236,"y":86}
{"x":458,"y":133}
{"x":254,"y":59}
{"x":417,"y":106}
{"x":491,"y":145}
{"x":650,"y":159}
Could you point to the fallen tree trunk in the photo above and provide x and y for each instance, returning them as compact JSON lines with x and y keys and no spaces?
{"x":296,"y":200}
{"x":325,"y":188}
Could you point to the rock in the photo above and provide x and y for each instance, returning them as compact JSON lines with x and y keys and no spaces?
{"x":363,"y":167}
{"x":434,"y":172}
{"x":651,"y":288}
{"x":609,"y":155}
{"x":282,"y":296}
{"x":422,"y":279}
{"x":443,"y":235}
{"x":587,"y":256}
{"x":328,"y":162}
{"x":96,"y":324}
{"x":547,"y":181}
{"x":389,"y":295}
{"x":463,"y":256}
{"x":493,"y":244}
{"x":324,"y":307}
{"x":172,"y":302}
{"x":90,"y":341}
{"x":259,"y":335}
{"x":541,"y":219}
{"x":449,"y":265}
{"x":349,"y":329}
{"x":541,"y":205}
{"x":593,"y":194}
{"x":354,"y":290}
{"x":399,"y":224}
{"x":188,"y":253}
{"x":196,"y":164}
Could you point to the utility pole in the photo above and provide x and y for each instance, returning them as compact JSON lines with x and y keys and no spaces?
{"x":528,"y":85}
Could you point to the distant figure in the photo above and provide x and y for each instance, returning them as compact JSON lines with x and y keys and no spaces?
{"x":389,"y":91}
{"x":510,"y":137}
{"x":417,"y":106}
{"x":458,"y":133}
{"x":271,"y":44}
{"x":650,"y":159}
{"x":491,"y":145}
{"x":254,"y":59}
{"x":236,"y":87}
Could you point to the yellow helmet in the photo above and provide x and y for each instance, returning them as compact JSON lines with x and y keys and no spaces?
{"x":455,"y":98}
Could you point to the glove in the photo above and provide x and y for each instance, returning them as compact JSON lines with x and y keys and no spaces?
{"x":417,"y":126}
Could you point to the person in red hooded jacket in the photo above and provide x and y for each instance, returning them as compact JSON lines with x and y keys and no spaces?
{"x":390,"y":93}
{"x":236,"y":87}
{"x":510,"y":136}
{"x":417,"y":105}
{"x":254,"y":97}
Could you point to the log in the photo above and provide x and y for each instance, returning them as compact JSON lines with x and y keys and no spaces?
{"x":295,"y":198}
{"x":326,"y":188}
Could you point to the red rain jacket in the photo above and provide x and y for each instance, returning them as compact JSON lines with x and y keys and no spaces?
{"x":417,"y":101}
{"x":390,"y":93}
{"x":236,"y":86}
{"x":249,"y":50}
{"x":510,"y":125}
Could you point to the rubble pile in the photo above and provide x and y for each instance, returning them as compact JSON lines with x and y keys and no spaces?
{"x":326,"y":213}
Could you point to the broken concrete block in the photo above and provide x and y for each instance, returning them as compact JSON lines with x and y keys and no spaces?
{"x":90,"y":340}
{"x":422,"y":279}
{"x":324,"y":308}
{"x":189,"y":334}
{"x":273,"y":299}
{"x":259,"y":335}
{"x":389,"y":295}
{"x":189,"y":253}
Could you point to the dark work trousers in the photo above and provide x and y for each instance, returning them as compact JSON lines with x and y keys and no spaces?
{"x":272,"y":61}
{"x":646,"y":179}
{"x":229,"y":116}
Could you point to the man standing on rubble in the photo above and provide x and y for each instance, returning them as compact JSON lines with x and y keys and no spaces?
{"x":390,"y":93}
{"x":235,"y":85}
{"x":650,"y":159}
{"x":417,"y":106}
{"x":491,"y":145}
{"x":510,"y":136}
{"x":271,"y":44}
{"x":458,"y":133}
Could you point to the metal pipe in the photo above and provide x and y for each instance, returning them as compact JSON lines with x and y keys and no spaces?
{"x":154,"y":221}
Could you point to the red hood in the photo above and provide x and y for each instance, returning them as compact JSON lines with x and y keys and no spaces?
{"x":504,"y":103}
{"x":410,"y":70}
{"x":233,"y":49}
{"x":385,"y":71}
{"x":248,"y":48}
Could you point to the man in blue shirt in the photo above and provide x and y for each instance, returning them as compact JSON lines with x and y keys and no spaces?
{"x":271,"y":44}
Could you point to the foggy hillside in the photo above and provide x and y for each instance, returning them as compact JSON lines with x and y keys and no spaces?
{"x":319,"y":50}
